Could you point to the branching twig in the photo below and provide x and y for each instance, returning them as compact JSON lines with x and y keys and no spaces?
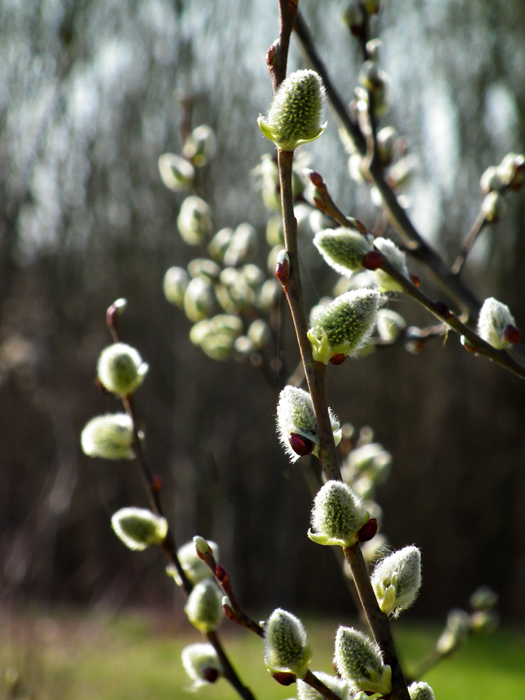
{"x":477,"y":228}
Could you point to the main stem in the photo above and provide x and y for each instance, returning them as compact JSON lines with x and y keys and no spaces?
{"x":314,"y":371}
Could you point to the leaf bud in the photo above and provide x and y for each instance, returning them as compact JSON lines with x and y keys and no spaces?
{"x":483,"y":598}
{"x":109,"y":437}
{"x":337,"y":515}
{"x":396,"y":258}
{"x":194,"y":220}
{"x":174,"y":285}
{"x":343,"y":249}
{"x":493,"y":207}
{"x":199,"y":299}
{"x":493,"y":320}
{"x":512,"y":170}
{"x":336,"y":685}
{"x":491,"y":181}
{"x":420,"y":691}
{"x":120,"y":369}
{"x":345,"y":325}
{"x":138,"y":527}
{"x":176,"y":172}
{"x":196,"y":569}
{"x":390,"y":325}
{"x":286,"y":647}
{"x":396,"y":580}
{"x":295,"y":414}
{"x":360,"y":663}
{"x":204,"y":606}
{"x":294,"y":117}
{"x":200,"y":145}
{"x":202,"y":664}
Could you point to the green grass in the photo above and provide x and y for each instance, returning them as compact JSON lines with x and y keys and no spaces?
{"x":134,"y":657}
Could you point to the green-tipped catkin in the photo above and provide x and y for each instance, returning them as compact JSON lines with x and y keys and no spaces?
{"x":199,"y":299}
{"x":205,"y":268}
{"x":396,"y":258}
{"x":252,"y":275}
{"x":345,"y":325}
{"x":336,"y":685}
{"x":200,"y":145}
{"x":396,"y":580}
{"x":337,"y":515}
{"x":219,"y":243}
{"x":295,"y":417}
{"x":138,"y":528}
{"x":204,"y":607}
{"x":360,"y":663}
{"x":268,"y":295}
{"x":343,"y":249}
{"x":494,"y":318}
{"x":174,"y":285}
{"x":242,"y":245}
{"x":194,"y":220}
{"x":259,"y":333}
{"x":195,"y":569}
{"x":120,"y":369}
{"x":286,"y":646}
{"x":420,"y":691}
{"x":109,"y":437}
{"x":176,"y":172}
{"x":202,"y":664}
{"x":294,"y":117}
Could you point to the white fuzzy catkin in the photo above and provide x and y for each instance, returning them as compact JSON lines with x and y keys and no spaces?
{"x":359,"y":661}
{"x":396,"y":580}
{"x":139,"y":528}
{"x":494,"y":318}
{"x":337,"y":515}
{"x":286,"y":645}
{"x":108,"y":437}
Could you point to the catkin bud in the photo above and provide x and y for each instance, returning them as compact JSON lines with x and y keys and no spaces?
{"x":345,"y":325}
{"x":493,"y":322}
{"x":195,"y":568}
{"x":386,"y":141}
{"x":286,"y":647}
{"x":176,"y":172}
{"x":199,"y":299}
{"x":360,"y":663}
{"x":202,"y":267}
{"x":390,"y":324}
{"x":343,"y":249}
{"x":294,"y":117}
{"x":202,"y":664}
{"x":491,"y":181}
{"x":493,"y":207}
{"x":259,"y":333}
{"x":120,"y":369}
{"x":296,"y":419}
{"x":200,"y":145}
{"x":336,"y":685}
{"x":483,"y":598}
{"x":337,"y":515}
{"x":420,"y":691}
{"x":396,"y":580}
{"x":109,"y":437}
{"x":138,"y":528}
{"x":242,"y":245}
{"x":396,"y":258}
{"x":174,"y":285}
{"x":219,"y":243}
{"x":512,"y":170}
{"x":204,"y":606}
{"x":455,"y":633}
{"x":484,"y":621}
{"x":194,"y":220}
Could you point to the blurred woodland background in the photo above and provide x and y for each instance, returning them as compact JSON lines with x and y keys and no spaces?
{"x":93,"y":91}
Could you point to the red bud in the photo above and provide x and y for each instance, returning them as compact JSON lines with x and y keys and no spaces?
{"x":284,"y":678}
{"x":512,"y":334}
{"x":157,"y":482}
{"x":315,"y":178}
{"x":282,"y":270}
{"x":368,"y":531}
{"x":300,"y":445}
{"x":221,"y":573}
{"x":443,"y":309}
{"x":337,"y":359}
{"x":372,"y":260}
{"x":210,"y":674}
{"x":414,"y":279}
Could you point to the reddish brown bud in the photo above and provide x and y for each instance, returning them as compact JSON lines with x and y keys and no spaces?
{"x":282,"y":268}
{"x":372,"y":260}
{"x":315,"y":178}
{"x":210,"y":674}
{"x":284,"y":678}
{"x":337,"y":359}
{"x":414,"y":279}
{"x":300,"y":445}
{"x":156,"y":483}
{"x":443,"y":309}
{"x":512,"y":334}
{"x":359,"y":226}
{"x":228,"y":612}
{"x":368,"y":531}
{"x":270,"y":55}
{"x":221,"y":574}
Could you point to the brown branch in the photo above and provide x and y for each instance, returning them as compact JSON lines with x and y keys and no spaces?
{"x":476,"y":229}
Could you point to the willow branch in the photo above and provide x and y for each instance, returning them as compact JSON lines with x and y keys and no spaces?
{"x":476,"y":229}
{"x":377,"y":620}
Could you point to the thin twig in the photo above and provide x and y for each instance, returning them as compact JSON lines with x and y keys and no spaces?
{"x":377,"y":620}
{"x":477,"y":228}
